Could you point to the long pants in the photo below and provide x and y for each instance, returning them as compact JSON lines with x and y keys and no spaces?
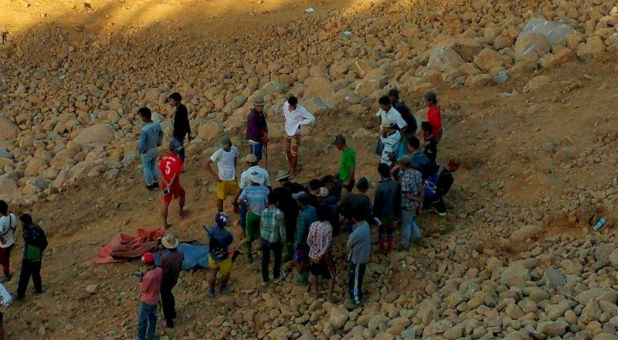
{"x":356,"y":271}
{"x":5,"y":256}
{"x":277,"y":249}
{"x":243,"y":215}
{"x":256,"y":149}
{"x":409,"y":228}
{"x":435,"y":202}
{"x":181,"y":154}
{"x":147,"y":322}
{"x":29,"y":268}
{"x":148,"y":166}
{"x":169,"y":305}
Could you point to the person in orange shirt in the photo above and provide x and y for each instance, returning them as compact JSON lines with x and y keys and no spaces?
{"x":434,"y":116}
{"x":170,"y":168}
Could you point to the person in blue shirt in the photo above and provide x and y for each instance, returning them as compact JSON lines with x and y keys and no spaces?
{"x":255,"y":196}
{"x":149,"y":140}
{"x":219,"y":257}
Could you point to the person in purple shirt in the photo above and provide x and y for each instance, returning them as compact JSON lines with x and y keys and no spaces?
{"x":257,"y":129}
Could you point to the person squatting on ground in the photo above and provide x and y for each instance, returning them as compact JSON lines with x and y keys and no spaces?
{"x":150,"y":291}
{"x":35,"y":243}
{"x":295,"y":117}
{"x":170,"y":168}
{"x":319,"y":240}
{"x":171,"y":263}
{"x":8,"y":224}
{"x":257,"y":129}
{"x":225,"y":157}
{"x":219,"y":241}
{"x":149,"y":139}
{"x":182,"y":127}
{"x":273,"y":235}
{"x":387,"y":208}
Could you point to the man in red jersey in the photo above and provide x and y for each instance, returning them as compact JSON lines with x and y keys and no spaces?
{"x":170,"y":168}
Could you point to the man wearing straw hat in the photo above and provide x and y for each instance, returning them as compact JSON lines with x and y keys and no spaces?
{"x":171,"y":263}
{"x":257,"y":129}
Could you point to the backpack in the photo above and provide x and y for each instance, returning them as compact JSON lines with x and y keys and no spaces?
{"x":431,"y":183}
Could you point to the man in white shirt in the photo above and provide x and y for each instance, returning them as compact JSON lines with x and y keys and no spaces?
{"x":295,"y":117}
{"x":8,"y":224}
{"x":388,"y":113}
{"x":252,"y":162}
{"x":391,"y":138}
{"x":225,"y":158}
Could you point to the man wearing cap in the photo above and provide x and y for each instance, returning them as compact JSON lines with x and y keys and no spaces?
{"x":218,"y":256}
{"x":412,"y":194}
{"x":307,"y":215}
{"x":170,"y":168}
{"x":391,"y":139}
{"x":149,"y":286}
{"x":171,"y":263}
{"x":257,"y":129}
{"x":295,"y":117}
{"x":182,"y":127}
{"x":225,"y":158}
{"x":347,"y":165}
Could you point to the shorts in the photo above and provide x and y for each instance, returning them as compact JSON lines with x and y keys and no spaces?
{"x":324,"y":268}
{"x":225,"y":188}
{"x":252,"y":226}
{"x":291,"y":145}
{"x":176,"y":191}
{"x":224,"y":266}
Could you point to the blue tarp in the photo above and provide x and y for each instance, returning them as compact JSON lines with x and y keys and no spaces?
{"x":196,"y":255}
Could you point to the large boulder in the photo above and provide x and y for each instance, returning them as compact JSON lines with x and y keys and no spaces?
{"x":319,"y":87}
{"x":515,"y":275}
{"x":209,"y":130}
{"x":554,"y":32}
{"x":8,"y":130}
{"x":444,"y":58}
{"x":8,"y":187}
{"x":96,"y":134}
{"x":488,"y":59}
{"x":531,"y":46}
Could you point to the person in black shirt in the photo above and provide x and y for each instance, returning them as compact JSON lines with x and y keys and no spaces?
{"x":430,"y":145}
{"x":405,"y":112}
{"x":445,"y":179}
{"x":35,"y":243}
{"x":181,"y":121}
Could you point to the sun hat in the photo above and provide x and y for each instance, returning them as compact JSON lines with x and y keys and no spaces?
{"x":222,"y":219}
{"x":258,"y":101}
{"x":256,"y":177}
{"x":148,"y":258}
{"x":169,"y":241}
{"x":250,"y":158}
{"x":282,"y":175}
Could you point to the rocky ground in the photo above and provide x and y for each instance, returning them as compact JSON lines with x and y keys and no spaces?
{"x":528,"y":93}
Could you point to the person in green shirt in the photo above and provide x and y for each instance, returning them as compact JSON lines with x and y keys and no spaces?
{"x":347,"y":165}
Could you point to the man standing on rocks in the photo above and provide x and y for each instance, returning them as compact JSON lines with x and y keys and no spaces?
{"x":171,"y":263}
{"x":306,"y":216}
{"x":273,"y":233}
{"x":170,"y":168}
{"x":8,"y":224}
{"x":225,"y":158}
{"x":434,"y":116}
{"x":347,"y":165}
{"x":319,"y":240}
{"x":390,"y":117}
{"x":181,"y":121}
{"x":219,"y":240}
{"x":406,"y":114}
{"x":358,"y":205}
{"x":257,"y":129}
{"x":412,"y":193}
{"x":252,"y":162}
{"x":435,"y":191}
{"x":255,"y":197}
{"x":359,"y":243}
{"x":35,"y":243}
{"x":290,"y":209}
{"x":295,"y":117}
{"x":149,"y":140}
{"x":150,"y":290}
{"x":387,"y":208}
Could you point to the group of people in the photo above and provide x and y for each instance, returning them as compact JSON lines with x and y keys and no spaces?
{"x":35,"y":242}
{"x":298,"y":222}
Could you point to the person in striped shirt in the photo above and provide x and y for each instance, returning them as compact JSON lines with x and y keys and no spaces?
{"x":319,"y":240}
{"x":273,"y":233}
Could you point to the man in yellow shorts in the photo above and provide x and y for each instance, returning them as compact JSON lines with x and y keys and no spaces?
{"x":219,"y":258}
{"x":226,"y":159}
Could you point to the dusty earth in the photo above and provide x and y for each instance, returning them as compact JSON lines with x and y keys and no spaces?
{"x":538,"y":151}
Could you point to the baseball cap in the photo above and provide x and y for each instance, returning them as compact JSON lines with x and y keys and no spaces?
{"x":175,"y":145}
{"x":222,"y":219}
{"x":339,"y":139}
{"x":225,"y":141}
{"x":148,"y":258}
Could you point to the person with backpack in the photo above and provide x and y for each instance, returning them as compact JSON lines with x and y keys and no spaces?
{"x":35,"y":243}
{"x":149,"y":140}
{"x":438,"y":185}
{"x":219,"y":240}
{"x":150,"y":291}
{"x":273,"y":234}
{"x":8,"y":224}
